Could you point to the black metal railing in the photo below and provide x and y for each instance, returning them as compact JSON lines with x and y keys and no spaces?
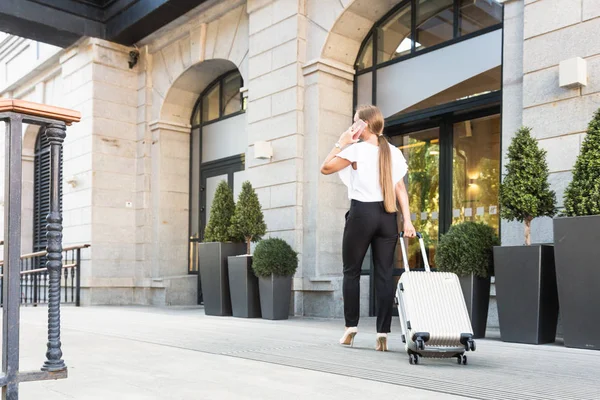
{"x":35,"y":278}
{"x":53,"y":121}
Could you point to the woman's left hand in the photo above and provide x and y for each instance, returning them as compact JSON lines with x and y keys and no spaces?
{"x":409,"y":229}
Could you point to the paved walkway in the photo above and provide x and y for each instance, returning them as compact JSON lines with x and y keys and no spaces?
{"x":133,"y":353}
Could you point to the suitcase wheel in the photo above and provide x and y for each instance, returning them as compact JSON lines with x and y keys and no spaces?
{"x":420,"y":344}
{"x":472,"y":345}
{"x":461,"y":359}
{"x":413,"y":359}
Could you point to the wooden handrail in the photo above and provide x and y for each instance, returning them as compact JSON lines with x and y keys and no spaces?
{"x":35,"y":271}
{"x":40,"y":110}
{"x":43,"y":253}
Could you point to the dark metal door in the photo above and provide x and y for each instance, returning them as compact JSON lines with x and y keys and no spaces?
{"x":211,"y":174}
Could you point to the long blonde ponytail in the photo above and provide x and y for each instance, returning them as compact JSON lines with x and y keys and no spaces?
{"x":374,"y":118}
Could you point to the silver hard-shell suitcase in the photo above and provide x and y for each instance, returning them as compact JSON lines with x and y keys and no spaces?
{"x":433,"y":314}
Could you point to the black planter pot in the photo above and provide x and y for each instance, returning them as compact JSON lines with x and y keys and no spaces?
{"x":275,"y":294}
{"x":477,"y":296}
{"x":213,"y":276}
{"x":243,"y":287}
{"x":526,"y":293}
{"x":577,"y":254}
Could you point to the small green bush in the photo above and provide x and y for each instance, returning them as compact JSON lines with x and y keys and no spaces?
{"x":274,"y":256}
{"x":217,"y":229}
{"x":467,"y":249}
{"x":248,"y":220}
{"x":525,"y":193}
{"x":582,"y":196}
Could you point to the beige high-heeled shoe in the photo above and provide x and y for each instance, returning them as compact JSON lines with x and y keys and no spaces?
{"x":381,"y":342}
{"x":349,"y":334}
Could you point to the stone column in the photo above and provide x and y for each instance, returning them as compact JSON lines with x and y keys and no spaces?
{"x":328,"y":105}
{"x":169,"y":215}
{"x":99,"y":158}
{"x":512,"y":97}
{"x":275,"y":114}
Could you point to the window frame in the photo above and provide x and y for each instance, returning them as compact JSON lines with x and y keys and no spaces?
{"x":219,"y":81}
{"x":374,"y":32}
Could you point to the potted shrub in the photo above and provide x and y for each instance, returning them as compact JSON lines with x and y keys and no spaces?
{"x":213,"y":253}
{"x":525,"y":275}
{"x":275,"y":263}
{"x":577,"y":247}
{"x":466,"y":250}
{"x":248,"y":223}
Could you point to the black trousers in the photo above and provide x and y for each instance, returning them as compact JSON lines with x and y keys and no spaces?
{"x":369,"y":224}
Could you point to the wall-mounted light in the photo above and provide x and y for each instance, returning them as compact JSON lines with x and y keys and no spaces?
{"x":468,"y":129}
{"x":263,"y":150}
{"x":572,"y":73}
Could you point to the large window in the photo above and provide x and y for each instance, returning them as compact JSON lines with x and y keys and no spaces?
{"x":476,"y":171}
{"x":453,"y":176}
{"x":434,"y":68}
{"x":419,"y":25}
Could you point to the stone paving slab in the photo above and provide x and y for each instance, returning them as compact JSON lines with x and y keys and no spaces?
{"x":150,"y":353}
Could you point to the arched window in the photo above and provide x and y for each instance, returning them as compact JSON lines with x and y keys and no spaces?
{"x":418,"y":25}
{"x":460,"y":43}
{"x":41,"y":189}
{"x":221,"y":99}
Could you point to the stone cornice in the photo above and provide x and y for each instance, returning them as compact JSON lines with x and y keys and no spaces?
{"x":169,"y":126}
{"x":329,"y":66}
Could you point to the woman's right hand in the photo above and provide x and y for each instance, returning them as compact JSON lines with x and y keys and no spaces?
{"x":409,"y":229}
{"x":346,"y":138}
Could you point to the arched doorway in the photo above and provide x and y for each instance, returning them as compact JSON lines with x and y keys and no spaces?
{"x":434,"y":67}
{"x":217,"y":151}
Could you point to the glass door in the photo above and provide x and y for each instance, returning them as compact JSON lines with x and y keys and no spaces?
{"x":453,"y":176}
{"x":203,"y":193}
{"x":421,"y":150}
{"x":476,"y":171}
{"x":230,"y":170}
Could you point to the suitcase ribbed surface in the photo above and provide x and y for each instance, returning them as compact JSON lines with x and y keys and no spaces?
{"x":434,"y":303}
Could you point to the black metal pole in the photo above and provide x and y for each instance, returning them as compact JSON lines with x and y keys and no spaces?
{"x":55,"y":133}
{"x":78,"y":278}
{"x":12,"y":258}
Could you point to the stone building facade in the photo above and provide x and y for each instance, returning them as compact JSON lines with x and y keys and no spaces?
{"x":133,"y":171}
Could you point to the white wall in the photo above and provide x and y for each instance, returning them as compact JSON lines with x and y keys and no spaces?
{"x":402,"y":85}
{"x":538,"y":36}
{"x":224,"y":138}
{"x":20,"y":57}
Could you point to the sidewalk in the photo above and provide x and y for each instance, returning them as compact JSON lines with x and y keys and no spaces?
{"x":179,"y":353}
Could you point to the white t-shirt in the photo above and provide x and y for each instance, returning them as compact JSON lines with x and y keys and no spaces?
{"x":363,"y":183}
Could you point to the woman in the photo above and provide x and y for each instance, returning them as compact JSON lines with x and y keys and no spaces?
{"x":373,"y":171}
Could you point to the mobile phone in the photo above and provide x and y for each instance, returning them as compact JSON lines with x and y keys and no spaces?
{"x":357,"y":129}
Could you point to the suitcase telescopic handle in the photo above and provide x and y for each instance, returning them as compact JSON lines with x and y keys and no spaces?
{"x":423,"y":251}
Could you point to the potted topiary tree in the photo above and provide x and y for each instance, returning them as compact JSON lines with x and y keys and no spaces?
{"x":275,"y":263}
{"x":466,"y":250}
{"x":525,"y":275}
{"x":247,"y":222}
{"x":214,"y":251}
{"x":577,"y":249}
